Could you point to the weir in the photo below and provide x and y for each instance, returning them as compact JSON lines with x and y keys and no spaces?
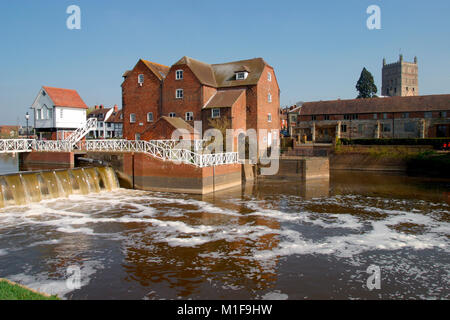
{"x":28,"y":187}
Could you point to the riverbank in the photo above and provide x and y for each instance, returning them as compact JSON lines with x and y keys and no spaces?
{"x":13,"y":291}
{"x":415,"y":160}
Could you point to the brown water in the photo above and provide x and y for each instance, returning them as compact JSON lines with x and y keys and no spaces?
{"x":271,"y":240}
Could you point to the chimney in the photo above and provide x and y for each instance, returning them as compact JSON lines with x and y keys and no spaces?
{"x":101,"y":106}
{"x":116,"y":108}
{"x":96,"y":107}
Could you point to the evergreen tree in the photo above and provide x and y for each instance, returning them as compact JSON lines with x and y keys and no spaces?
{"x":366,"y":86}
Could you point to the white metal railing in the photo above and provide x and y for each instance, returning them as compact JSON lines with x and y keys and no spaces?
{"x":81,"y":132}
{"x":167,"y":150}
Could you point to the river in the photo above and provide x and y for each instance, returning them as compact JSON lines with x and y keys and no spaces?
{"x":275,"y":239}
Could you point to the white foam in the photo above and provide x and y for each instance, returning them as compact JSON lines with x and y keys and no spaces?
{"x":275,"y":295}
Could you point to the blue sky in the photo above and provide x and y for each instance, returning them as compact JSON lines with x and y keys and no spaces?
{"x":318,"y":48}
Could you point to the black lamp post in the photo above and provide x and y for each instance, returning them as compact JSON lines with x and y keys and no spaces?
{"x":27,"y":116}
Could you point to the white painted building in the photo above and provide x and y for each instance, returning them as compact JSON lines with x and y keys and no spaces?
{"x":109,"y":122}
{"x":58,"y":112}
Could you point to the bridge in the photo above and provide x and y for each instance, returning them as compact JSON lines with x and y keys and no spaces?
{"x":166,"y":150}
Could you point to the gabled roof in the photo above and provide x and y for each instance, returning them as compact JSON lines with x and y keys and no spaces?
{"x":159,"y":70}
{"x":99,"y":111}
{"x":115,"y":117}
{"x":225,"y":72}
{"x":224,"y":99}
{"x":224,"y":75}
{"x":202,"y":71}
{"x":178,"y":123}
{"x":378,"y":105}
{"x":65,"y":97}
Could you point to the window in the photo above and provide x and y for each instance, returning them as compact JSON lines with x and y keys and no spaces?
{"x":100,"y":124}
{"x":375,"y":116}
{"x":326,"y":117}
{"x":429,"y":114}
{"x":405,"y":115}
{"x":360,"y":128}
{"x":132,"y":118}
{"x":141,"y":79}
{"x":313,"y":118}
{"x":350,"y":117}
{"x":241,"y":76}
{"x":137,"y":136}
{"x":49,"y":113}
{"x":150,"y":117}
{"x":269,"y":117}
{"x":386,"y":127}
{"x":189,"y":116}
{"x":385,"y":116}
{"x":61,"y":114}
{"x":215,"y":113}
{"x":343,"y":128}
{"x":109,"y":124}
{"x":172,"y":115}
{"x":39,"y":114}
{"x":179,"y":75}
{"x":269,"y":76}
{"x":410,"y":126}
{"x":179,"y":94}
{"x":443,"y":114}
{"x":269,"y":97}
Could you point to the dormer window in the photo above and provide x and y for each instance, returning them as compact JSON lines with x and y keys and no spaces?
{"x":241,"y":75}
{"x":179,"y":75}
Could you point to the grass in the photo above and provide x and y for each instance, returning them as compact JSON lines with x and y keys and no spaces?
{"x":13,"y":291}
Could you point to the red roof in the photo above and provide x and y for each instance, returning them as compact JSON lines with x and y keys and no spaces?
{"x":65,"y":98}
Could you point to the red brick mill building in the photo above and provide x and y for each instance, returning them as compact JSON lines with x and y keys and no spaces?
{"x":157,"y":99}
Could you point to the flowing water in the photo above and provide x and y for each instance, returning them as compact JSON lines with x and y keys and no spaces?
{"x":270,"y":240}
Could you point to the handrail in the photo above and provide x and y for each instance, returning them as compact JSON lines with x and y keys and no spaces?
{"x":166,"y":150}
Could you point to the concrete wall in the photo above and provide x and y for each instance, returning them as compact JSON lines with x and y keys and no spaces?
{"x":303,"y":167}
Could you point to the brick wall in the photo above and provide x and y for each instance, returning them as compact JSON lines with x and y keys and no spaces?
{"x":192,"y":100}
{"x":140,"y":100}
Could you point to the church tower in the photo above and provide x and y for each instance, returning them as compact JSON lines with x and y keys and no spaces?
{"x":400,"y":78}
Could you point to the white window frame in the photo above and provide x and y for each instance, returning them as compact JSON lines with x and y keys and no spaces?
{"x":269,"y":76}
{"x":137,"y":136}
{"x":172,"y":114}
{"x":179,"y":74}
{"x":141,"y":78}
{"x":179,"y":96}
{"x":189,"y":116}
{"x":269,"y":98}
{"x":269,"y":117}
{"x":132,"y":115}
{"x":241,"y":75}
{"x":148,"y":116}
{"x":212,"y":113}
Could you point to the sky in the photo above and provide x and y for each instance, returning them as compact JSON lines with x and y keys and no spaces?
{"x":317,"y":48}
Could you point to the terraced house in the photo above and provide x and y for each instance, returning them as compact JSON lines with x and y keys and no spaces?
{"x":245,"y":92}
{"x":389,"y":117}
